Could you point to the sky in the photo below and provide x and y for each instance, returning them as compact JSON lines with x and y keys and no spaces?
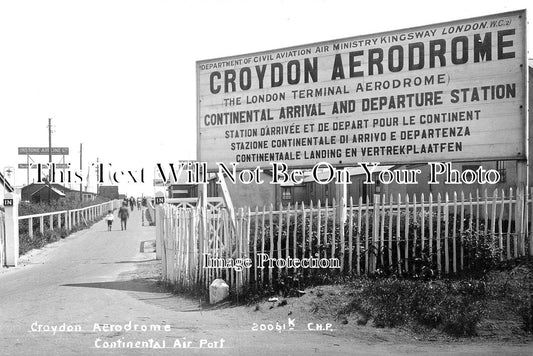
{"x":119,"y":76}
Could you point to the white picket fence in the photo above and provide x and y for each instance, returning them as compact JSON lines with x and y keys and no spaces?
{"x":441,"y":231}
{"x":67,"y":219}
{"x":212,"y":203}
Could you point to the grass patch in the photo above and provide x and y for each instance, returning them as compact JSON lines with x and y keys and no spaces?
{"x":26,"y":243}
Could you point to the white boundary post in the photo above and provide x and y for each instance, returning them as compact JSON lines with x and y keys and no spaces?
{"x":12,"y":230}
{"x":159,"y":230}
{"x":341,"y":197}
{"x":159,"y":223}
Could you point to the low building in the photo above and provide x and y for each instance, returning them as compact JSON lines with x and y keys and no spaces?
{"x":320,"y":191}
{"x":182,"y":190}
{"x":87,"y":196}
{"x":109,"y":191}
{"x":507,"y":170}
{"x":247,"y":195}
{"x":314,"y":189}
{"x":46,"y":193}
{"x":41,"y":192}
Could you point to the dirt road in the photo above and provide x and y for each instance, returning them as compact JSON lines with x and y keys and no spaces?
{"x":94,"y":293}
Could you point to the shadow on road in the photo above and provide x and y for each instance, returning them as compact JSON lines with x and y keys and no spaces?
{"x":112,"y":263}
{"x":134,"y":285}
{"x":144,"y":277}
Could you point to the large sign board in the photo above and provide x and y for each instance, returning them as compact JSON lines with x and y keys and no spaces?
{"x":60,"y":151}
{"x":450,"y":91}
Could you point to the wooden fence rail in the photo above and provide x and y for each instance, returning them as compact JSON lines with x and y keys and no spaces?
{"x":66,"y":219}
{"x":401,"y":233}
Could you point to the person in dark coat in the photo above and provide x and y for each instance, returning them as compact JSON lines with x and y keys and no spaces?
{"x":123,"y":214}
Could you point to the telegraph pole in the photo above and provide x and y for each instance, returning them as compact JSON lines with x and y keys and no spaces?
{"x":49,"y":157}
{"x":50,"y":142}
{"x":81,"y":170}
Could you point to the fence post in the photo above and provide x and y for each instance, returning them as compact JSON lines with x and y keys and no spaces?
{"x":30,"y":228}
{"x":159,"y":230}
{"x":519,"y":222}
{"x":531,"y":228}
{"x":375,"y":234}
{"x":12,"y":230}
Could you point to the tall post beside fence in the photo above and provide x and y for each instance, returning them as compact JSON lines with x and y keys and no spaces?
{"x":11,"y":205}
{"x":373,"y":253}
{"x":159,"y":225}
{"x":159,"y":213}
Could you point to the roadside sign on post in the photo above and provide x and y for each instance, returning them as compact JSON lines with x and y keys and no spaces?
{"x":160,"y":221}
{"x":159,"y":197}
{"x":158,"y":182}
{"x":405,"y":96}
{"x":43,"y":165}
{"x":61,"y":151}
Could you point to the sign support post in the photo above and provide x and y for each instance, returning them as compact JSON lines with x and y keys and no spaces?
{"x":227,"y":199}
{"x":342,"y":198}
{"x":28,"y":170}
{"x":521,"y":192}
{"x":159,"y":223}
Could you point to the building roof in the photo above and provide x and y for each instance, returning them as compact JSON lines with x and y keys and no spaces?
{"x":34,"y":187}
{"x":57,"y":191}
{"x":31,"y":188}
{"x":108,"y":188}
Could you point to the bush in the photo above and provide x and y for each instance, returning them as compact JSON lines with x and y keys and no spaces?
{"x":39,"y":240}
{"x":525,"y":310}
{"x":514,"y":289}
{"x":27,"y":244}
{"x":481,"y":254}
{"x":28,"y":208}
{"x":479,"y":250}
{"x":455,"y":307}
{"x":384,"y":301}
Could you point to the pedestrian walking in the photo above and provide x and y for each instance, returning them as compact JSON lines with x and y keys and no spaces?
{"x":109,"y":218}
{"x":132,"y":202}
{"x":144,"y":205}
{"x":123,"y":214}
